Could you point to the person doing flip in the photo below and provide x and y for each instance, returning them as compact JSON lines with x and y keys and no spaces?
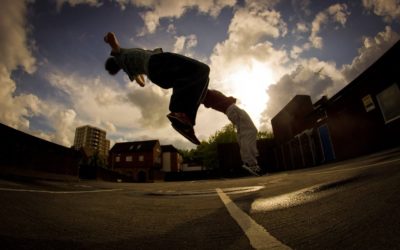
{"x":189,"y":80}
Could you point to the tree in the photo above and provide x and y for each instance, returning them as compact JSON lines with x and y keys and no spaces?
{"x":207,"y":151}
{"x":265,"y":135}
{"x":190,"y":155}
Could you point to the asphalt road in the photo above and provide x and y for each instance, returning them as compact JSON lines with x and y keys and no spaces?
{"x":348,"y":205}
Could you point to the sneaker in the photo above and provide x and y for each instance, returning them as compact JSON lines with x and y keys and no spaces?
{"x":254,"y":170}
{"x":187,"y":132}
{"x":178,"y":117}
{"x":180,"y":122}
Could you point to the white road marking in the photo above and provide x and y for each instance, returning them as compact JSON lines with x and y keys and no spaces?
{"x":241,"y":190}
{"x":58,"y":192}
{"x":258,"y":236}
{"x":208,"y":192}
{"x":341,"y":169}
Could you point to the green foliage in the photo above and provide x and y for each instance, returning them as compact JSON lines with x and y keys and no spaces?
{"x":207,"y":152}
{"x":191,"y":155}
{"x":96,"y":160}
{"x":265,"y":135}
{"x":226,"y":135}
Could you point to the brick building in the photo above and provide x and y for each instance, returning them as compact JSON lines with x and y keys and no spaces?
{"x":141,"y":160}
{"x":361,"y":118}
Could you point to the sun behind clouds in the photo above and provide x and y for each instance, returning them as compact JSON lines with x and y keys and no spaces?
{"x":249,"y":85}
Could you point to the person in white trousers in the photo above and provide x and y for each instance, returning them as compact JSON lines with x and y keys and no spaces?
{"x":189,"y":80}
{"x":245,"y":128}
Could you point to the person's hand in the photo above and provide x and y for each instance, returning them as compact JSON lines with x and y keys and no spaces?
{"x":140,"y":80}
{"x":108,"y":37}
{"x":111,"y":39}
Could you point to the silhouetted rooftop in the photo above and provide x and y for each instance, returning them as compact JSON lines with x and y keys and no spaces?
{"x":168,"y":148}
{"x":137,"y":146}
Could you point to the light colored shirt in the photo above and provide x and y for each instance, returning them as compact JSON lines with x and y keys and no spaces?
{"x":134,"y":61}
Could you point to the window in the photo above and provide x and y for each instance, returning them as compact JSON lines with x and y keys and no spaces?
{"x":141,"y":157}
{"x":117,"y":159}
{"x":389,"y":102}
{"x":128,"y":158}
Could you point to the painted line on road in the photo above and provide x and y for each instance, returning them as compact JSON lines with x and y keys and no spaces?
{"x":339,"y":169}
{"x":258,"y":236}
{"x":59,"y":192}
{"x":207,"y":192}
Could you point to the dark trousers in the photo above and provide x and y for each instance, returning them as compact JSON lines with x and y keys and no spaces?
{"x":187,"y":77}
{"x":218,"y":101}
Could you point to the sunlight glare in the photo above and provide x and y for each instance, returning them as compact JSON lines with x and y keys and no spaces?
{"x":249,"y":85}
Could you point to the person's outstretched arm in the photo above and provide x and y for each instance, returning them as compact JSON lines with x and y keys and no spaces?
{"x":112,"y":40}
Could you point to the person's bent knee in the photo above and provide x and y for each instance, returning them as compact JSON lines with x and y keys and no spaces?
{"x":204,"y":70}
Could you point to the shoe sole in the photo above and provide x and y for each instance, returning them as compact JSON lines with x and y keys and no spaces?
{"x":175,"y":119}
{"x":251,"y":171}
{"x":183,"y":130}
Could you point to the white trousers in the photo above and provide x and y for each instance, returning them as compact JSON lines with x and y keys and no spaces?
{"x":246,"y":134}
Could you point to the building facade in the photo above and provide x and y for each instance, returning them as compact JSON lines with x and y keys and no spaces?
{"x":171,"y":159}
{"x":141,"y":160}
{"x":362,"y":118}
{"x":92,"y":139}
{"x":20,"y":151}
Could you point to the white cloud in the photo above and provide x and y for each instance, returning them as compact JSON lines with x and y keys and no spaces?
{"x":16,"y":110}
{"x":317,"y":78}
{"x":183,"y":43}
{"x":179,"y":44}
{"x":15,"y":52}
{"x":253,"y":23}
{"x":64,"y":123}
{"x":302,"y":27}
{"x":73,"y":3}
{"x":15,"y":47}
{"x":157,"y":10}
{"x":295,"y":52}
{"x":109,"y":127}
{"x":247,"y":39}
{"x":246,"y":63}
{"x":171,"y":28}
{"x":95,"y":99}
{"x":389,"y":9}
{"x":311,"y":77}
{"x":204,"y":127}
{"x":191,"y":41}
{"x":371,"y":49}
{"x":153,"y":104}
{"x":337,"y":13}
{"x":102,"y":102}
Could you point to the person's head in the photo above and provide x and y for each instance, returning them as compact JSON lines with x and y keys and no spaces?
{"x":112,"y":66}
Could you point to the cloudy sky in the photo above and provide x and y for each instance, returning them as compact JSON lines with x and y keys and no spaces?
{"x":52,"y":76}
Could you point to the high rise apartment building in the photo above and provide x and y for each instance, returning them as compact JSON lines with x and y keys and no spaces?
{"x":92,"y":139}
